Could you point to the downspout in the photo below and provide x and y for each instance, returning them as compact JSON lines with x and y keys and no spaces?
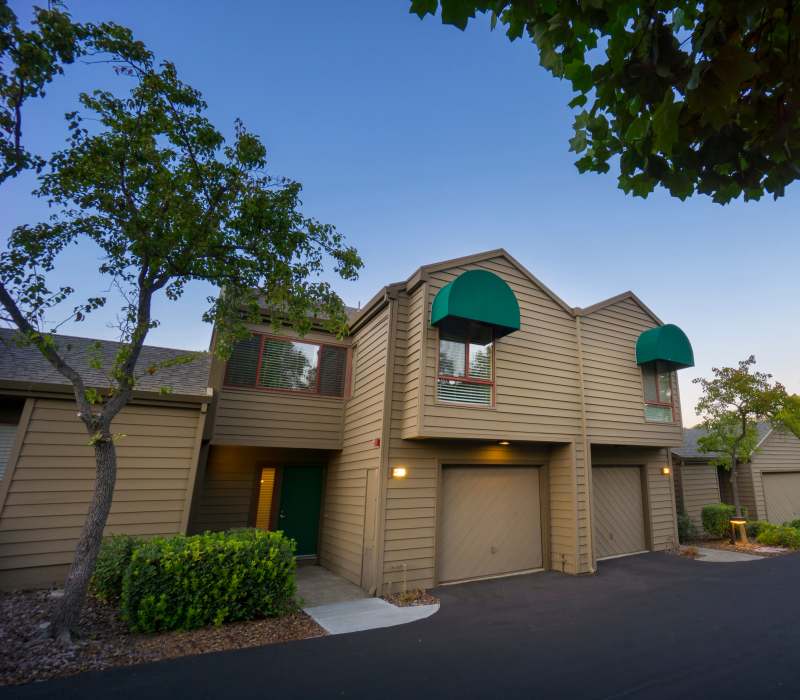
{"x":587,"y":464}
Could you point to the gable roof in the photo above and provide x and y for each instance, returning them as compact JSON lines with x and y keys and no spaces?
{"x":615,"y":300}
{"x":26,"y":365}
{"x":689,"y":450}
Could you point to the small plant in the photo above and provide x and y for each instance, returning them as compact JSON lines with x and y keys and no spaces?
{"x":755,"y":527}
{"x":686,"y":528}
{"x":794,"y":523}
{"x":690,"y":552}
{"x":717,"y":519}
{"x":112,"y":562}
{"x":188,"y":582}
{"x":780,"y":536}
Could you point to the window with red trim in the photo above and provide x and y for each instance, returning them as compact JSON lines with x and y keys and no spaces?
{"x":659,"y":403}
{"x":466,"y":366}
{"x":283,"y":364}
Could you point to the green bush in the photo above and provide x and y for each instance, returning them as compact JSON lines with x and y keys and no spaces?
{"x":112,"y":562}
{"x":717,"y":519}
{"x":780,"y":536}
{"x":686,"y":528}
{"x":794,"y":523}
{"x":754,"y":527}
{"x":187,"y":582}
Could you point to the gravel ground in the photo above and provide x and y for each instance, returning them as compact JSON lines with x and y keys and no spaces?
{"x":403,"y":600}
{"x":27,"y":655}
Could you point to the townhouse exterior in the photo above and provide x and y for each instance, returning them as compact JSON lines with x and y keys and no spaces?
{"x":769,"y":484}
{"x":471,"y":424}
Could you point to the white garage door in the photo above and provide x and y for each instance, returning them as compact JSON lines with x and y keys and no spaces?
{"x":782,"y":494}
{"x":490,"y":522}
{"x":618,"y":511}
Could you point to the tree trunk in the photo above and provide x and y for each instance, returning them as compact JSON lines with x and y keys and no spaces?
{"x":735,"y":489}
{"x":68,"y":609}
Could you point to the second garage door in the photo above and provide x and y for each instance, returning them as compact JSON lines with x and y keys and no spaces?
{"x":618,"y":511}
{"x":490,"y":523}
{"x":782,"y":495}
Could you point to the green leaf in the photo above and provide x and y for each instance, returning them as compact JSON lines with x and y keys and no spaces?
{"x":665,"y":124}
{"x":578,"y":101}
{"x":638,"y":128}
{"x":580,"y":74}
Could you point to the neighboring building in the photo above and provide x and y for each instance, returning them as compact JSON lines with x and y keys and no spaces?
{"x":769,"y":485}
{"x":47,"y":467}
{"x":471,"y":424}
{"x":458,"y":432}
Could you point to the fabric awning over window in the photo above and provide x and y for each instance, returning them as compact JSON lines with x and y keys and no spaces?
{"x":667,"y":344}
{"x":480,"y":296}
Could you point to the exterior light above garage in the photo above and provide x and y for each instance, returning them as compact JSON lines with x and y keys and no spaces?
{"x":666,"y":344}
{"x":477,"y":296}
{"x":399,"y":472}
{"x":504,"y":442}
{"x":666,"y":471}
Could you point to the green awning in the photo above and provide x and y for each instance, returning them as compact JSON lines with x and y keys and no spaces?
{"x":477,"y":295}
{"x":667,"y":344}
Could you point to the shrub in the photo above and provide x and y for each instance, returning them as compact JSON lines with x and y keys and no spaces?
{"x":780,"y":536}
{"x":794,"y":523}
{"x":686,"y":528}
{"x":112,"y":562}
{"x":754,"y":527}
{"x":717,"y":519}
{"x":187,"y":582}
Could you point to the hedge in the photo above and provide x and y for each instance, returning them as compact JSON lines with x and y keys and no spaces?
{"x":716,"y":519}
{"x":187,"y":582}
{"x":686,"y":528}
{"x":754,"y":527}
{"x":779,"y":536}
{"x":112,"y":562}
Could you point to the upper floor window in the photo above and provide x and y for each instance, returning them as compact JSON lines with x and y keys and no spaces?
{"x":659,"y":405}
{"x":283,"y":364}
{"x":466,"y":373}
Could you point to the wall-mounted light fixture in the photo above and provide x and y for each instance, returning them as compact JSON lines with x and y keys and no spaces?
{"x":504,"y":442}
{"x":666,"y":471}
{"x":399,"y":472}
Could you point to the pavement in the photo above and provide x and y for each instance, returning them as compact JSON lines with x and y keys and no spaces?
{"x":711,"y":554}
{"x":367,"y":614}
{"x":650,"y":626}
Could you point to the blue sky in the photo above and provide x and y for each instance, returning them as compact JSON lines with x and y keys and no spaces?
{"x":422,"y":143}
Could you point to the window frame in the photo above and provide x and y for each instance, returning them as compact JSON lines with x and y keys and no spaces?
{"x":303,"y":392}
{"x":661,"y":404}
{"x":467,"y":378}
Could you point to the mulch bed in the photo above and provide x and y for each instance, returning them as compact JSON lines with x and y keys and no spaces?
{"x":404,"y":600}
{"x":27,"y":655}
{"x":750,"y":548}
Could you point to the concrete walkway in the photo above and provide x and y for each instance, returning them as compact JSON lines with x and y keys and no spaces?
{"x":367,"y":614}
{"x":340,"y":606}
{"x":723,"y":555}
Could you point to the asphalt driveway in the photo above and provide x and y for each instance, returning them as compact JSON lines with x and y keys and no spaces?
{"x":652,"y":626}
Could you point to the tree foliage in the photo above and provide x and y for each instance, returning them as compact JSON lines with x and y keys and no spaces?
{"x":732,"y":404}
{"x":694,"y":97}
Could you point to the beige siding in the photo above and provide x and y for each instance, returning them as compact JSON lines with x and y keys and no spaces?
{"x":780,"y":452}
{"x":411,"y":329}
{"x":536,"y":369}
{"x":699,"y":487}
{"x":345,"y":490}
{"x":564,"y":480}
{"x":613,"y":380}
{"x":277,"y":418}
{"x":659,"y":490}
{"x":225,"y":498}
{"x":52,"y":482}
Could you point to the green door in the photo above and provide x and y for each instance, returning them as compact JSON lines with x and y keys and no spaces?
{"x":301,"y":498}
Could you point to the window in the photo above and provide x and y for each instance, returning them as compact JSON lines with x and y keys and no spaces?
{"x":465,"y":367}
{"x":658,"y":401}
{"x":281,"y":364}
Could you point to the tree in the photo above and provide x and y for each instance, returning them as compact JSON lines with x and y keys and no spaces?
{"x":732,"y":405}
{"x":166,"y":200}
{"x":694,"y":97}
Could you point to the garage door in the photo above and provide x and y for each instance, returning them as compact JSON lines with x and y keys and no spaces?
{"x":782,"y":494}
{"x":490,"y":522}
{"x":618,"y":511}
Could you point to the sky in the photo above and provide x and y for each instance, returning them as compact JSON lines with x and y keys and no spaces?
{"x":421,"y":143}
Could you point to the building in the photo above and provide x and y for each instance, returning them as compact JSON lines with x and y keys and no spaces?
{"x":472,"y":424}
{"x":769,"y":485}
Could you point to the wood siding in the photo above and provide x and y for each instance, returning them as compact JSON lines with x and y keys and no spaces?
{"x":780,"y":452}
{"x":52,"y":481}
{"x":661,"y":523}
{"x":699,"y":486}
{"x":536,"y":369}
{"x":613,"y":381}
{"x":344,"y":505}
{"x":255,"y":417}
